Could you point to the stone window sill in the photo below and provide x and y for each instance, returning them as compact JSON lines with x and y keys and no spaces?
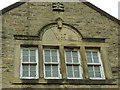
{"x":64,"y":81}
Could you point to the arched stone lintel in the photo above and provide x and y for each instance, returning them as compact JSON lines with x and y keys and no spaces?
{"x":42,"y":30}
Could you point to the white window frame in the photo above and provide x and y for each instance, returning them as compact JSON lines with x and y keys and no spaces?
{"x":73,"y":64}
{"x":51,"y":63}
{"x":29,"y":63}
{"x":96,"y":64}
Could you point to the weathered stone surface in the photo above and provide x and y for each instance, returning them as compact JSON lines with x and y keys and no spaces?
{"x":29,"y":18}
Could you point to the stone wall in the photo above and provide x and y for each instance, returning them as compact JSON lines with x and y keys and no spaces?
{"x":29,"y":18}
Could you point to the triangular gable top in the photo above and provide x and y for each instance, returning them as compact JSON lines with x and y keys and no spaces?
{"x":17,"y":4}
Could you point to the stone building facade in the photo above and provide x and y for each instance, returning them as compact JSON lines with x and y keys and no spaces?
{"x":59,"y":45}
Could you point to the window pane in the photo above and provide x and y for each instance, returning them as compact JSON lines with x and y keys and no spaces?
{"x":25,"y":74}
{"x":32,"y":53}
{"x":90,"y":68}
{"x":47,"y":59}
{"x":25,"y":58}
{"x":69,"y":59}
{"x":54,"y":59}
{"x":76,"y":68}
{"x":55,"y":73}
{"x":25,"y":67}
{"x":47,"y":67}
{"x":76,"y":74}
{"x":32,"y":70}
{"x":91,"y":74}
{"x":68,"y":54}
{"x":69,"y":68}
{"x":69,"y":71}
{"x":32,"y":59}
{"x":25,"y":71}
{"x":25,"y":53}
{"x":74,"y":53}
{"x":69,"y":74}
{"x":48,"y":73}
{"x":55,"y":70}
{"x":54,"y":67}
{"x":97,"y":74}
{"x":76,"y":71}
{"x":32,"y":73}
{"x":94,"y":53}
{"x":32,"y":67}
{"x":89,"y":59}
{"x":47,"y":52}
{"x":97,"y":68}
{"x":48,"y":70}
{"x":75,"y":59}
{"x":54,"y":52}
{"x":95,"y":59}
{"x":88,"y":53}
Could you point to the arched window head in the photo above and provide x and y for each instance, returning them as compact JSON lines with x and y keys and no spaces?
{"x":60,"y":32}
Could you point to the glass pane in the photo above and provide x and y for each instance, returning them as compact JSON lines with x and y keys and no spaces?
{"x":75,"y":59}
{"x":76,"y":71}
{"x":32,"y":67}
{"x":32,"y":59}
{"x":54,"y":67}
{"x":97,"y":68}
{"x":47,"y":59}
{"x":89,"y":59}
{"x":69,"y":71}
{"x":55,"y":74}
{"x":91,"y":74}
{"x":69,"y":68}
{"x":25,"y":53}
{"x":54,"y":59}
{"x":69,"y":74}
{"x":76,"y":68}
{"x":68,"y":54}
{"x":76,"y":74}
{"x":25,"y":74}
{"x":48,"y":73}
{"x":94,"y":53}
{"x":88,"y":53}
{"x":74,"y":53}
{"x":97,"y":74}
{"x":69,"y":59}
{"x":25,"y":67}
{"x":47,"y":52}
{"x":32,"y":73}
{"x":47,"y":67}
{"x":95,"y":59}
{"x":25,"y":58}
{"x":54,"y":52}
{"x":32,"y":52}
{"x":90,"y":68}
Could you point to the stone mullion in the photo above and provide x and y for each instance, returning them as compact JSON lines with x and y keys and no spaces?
{"x":62,"y":62}
{"x":84,"y":62}
{"x":40,"y":56}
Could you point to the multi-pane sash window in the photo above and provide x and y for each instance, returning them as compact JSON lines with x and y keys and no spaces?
{"x":29,"y":63}
{"x":73,"y":65}
{"x":94,"y":63}
{"x":51,"y":64}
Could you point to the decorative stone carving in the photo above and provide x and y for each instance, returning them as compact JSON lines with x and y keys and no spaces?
{"x":59,"y":22}
{"x":58,"y":7}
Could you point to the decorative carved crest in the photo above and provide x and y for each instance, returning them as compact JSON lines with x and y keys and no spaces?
{"x":58,"y":7}
{"x":59,"y":22}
